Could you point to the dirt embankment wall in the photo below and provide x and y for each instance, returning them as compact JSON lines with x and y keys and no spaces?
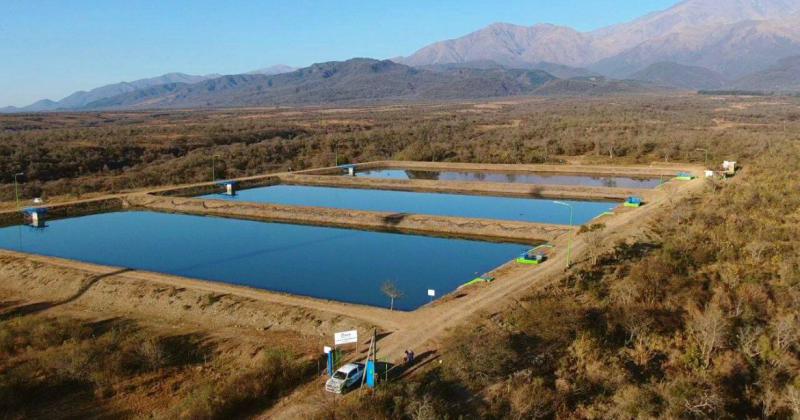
{"x":70,"y":209}
{"x":53,"y":282}
{"x":471,"y":188}
{"x":195,"y":190}
{"x":655,"y":170}
{"x":485,"y":229}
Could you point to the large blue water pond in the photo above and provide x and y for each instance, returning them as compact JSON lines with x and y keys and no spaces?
{"x":515,"y":178}
{"x":503,"y":208}
{"x":328,"y":263}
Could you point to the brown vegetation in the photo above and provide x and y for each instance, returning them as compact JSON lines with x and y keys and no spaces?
{"x":697,"y":318}
{"x":80,"y":154}
{"x":60,"y":367}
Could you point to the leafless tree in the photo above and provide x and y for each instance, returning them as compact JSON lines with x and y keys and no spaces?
{"x":748,"y":340}
{"x":709,"y":331}
{"x":390,"y":289}
{"x":594,"y":240}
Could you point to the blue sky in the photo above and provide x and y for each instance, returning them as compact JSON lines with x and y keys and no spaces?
{"x":51,"y":48}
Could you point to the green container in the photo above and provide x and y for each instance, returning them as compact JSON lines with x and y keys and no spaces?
{"x":527,"y":261}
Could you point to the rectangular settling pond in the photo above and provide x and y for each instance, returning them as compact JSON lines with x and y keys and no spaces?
{"x":502,"y":208}
{"x":515,"y":178}
{"x":328,"y":263}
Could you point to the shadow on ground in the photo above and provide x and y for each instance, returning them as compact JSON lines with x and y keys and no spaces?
{"x":36,"y":307}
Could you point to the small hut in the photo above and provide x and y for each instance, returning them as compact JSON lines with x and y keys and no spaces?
{"x":229,"y":186}
{"x":35,"y":216}
{"x":349,"y":169}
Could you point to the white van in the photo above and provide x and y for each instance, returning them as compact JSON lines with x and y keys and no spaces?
{"x":344,"y":378}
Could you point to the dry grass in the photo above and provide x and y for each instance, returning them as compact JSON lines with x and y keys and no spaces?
{"x":64,"y":366}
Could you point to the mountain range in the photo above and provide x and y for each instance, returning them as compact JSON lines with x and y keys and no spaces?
{"x":732,"y":37}
{"x":783,"y":77}
{"x":744,"y":45}
{"x":352,"y":81}
{"x":81,"y":99}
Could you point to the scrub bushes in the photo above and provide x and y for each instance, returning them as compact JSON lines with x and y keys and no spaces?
{"x":698,"y":319}
{"x":43,"y":353}
{"x":251,"y":389}
{"x":79,"y":154}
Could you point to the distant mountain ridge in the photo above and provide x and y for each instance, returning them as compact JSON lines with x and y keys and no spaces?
{"x":272,"y":70}
{"x":81,"y":99}
{"x":558,"y":70}
{"x":731,"y":37}
{"x":359,"y":80}
{"x":693,"y":45}
{"x":685,"y":77}
{"x":783,"y":77}
{"x":355,"y":80}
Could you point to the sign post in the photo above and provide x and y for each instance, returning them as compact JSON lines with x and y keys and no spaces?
{"x":431,"y":294}
{"x":345,"y":337}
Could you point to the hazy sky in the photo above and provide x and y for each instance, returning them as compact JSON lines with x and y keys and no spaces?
{"x":51,"y":48}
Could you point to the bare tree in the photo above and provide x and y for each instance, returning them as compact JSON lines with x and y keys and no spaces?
{"x":708,"y":328}
{"x":594,"y":237}
{"x":785,"y":331}
{"x":747,"y":338}
{"x":390,"y":289}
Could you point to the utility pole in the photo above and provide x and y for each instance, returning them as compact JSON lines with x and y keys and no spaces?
{"x":335,"y":154}
{"x":706,"y":161}
{"x":213,"y":168}
{"x":16,"y":189}
{"x":571,"y":233}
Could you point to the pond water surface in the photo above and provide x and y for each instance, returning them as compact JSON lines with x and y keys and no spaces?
{"x":327,"y":263}
{"x":515,"y":178}
{"x":502,"y":208}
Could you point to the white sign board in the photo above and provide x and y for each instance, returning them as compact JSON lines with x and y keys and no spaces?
{"x":345,"y":337}
{"x":326,"y":349}
{"x":431,"y":292}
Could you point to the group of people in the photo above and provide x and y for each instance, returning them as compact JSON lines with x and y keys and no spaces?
{"x":409,"y":358}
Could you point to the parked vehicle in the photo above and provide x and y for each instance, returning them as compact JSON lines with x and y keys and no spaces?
{"x":345,"y":377}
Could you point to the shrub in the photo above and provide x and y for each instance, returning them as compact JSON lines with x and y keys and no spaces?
{"x":275,"y":374}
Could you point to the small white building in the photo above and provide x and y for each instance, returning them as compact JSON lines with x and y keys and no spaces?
{"x":729,"y":167}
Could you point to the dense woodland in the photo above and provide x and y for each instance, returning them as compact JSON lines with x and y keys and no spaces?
{"x":698,"y":317}
{"x":72,"y":155}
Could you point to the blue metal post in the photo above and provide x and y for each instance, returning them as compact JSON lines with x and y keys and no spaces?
{"x":370,"y":373}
